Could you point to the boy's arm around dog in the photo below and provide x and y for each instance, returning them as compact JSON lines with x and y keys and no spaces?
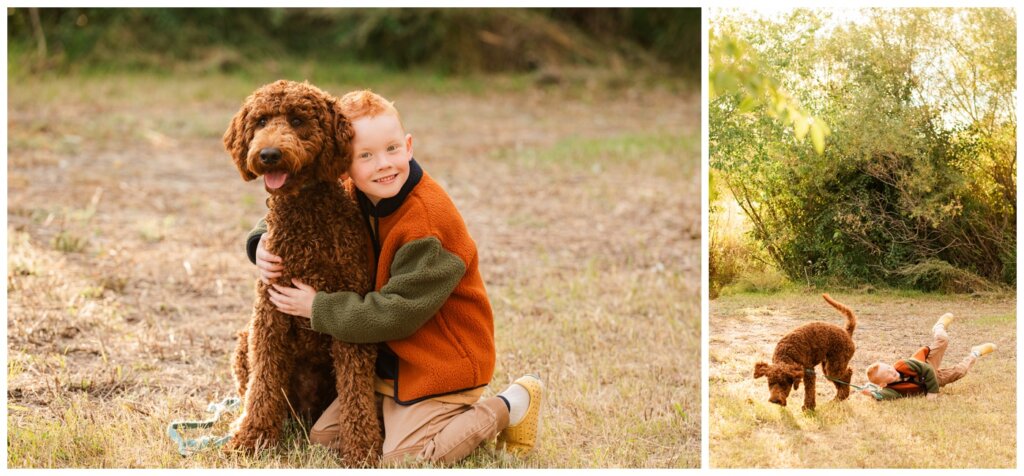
{"x":423,"y":276}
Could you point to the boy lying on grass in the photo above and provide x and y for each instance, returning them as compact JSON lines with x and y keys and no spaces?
{"x":922,"y":372}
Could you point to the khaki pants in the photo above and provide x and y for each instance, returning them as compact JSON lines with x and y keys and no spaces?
{"x":432,"y":431}
{"x":937,"y":350}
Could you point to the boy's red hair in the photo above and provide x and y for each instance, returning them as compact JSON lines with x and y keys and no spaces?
{"x":366,"y":103}
{"x":873,"y":370}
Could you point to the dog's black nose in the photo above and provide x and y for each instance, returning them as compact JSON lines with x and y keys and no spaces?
{"x":270,"y":155}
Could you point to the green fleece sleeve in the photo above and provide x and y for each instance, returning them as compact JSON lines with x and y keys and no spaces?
{"x":253,"y":240}
{"x":888,"y":394}
{"x":423,"y":276}
{"x":928,"y":374}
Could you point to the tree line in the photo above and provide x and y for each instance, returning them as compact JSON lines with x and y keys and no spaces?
{"x":448,"y":40}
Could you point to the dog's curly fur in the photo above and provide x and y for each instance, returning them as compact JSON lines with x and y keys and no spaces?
{"x":805,"y":347}
{"x":282,"y":366}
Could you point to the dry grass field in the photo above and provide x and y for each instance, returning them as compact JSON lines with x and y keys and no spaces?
{"x":127,"y":278}
{"x":971,"y":425}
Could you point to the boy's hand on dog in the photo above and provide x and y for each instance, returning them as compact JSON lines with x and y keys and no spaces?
{"x":297,"y":301}
{"x":269,"y":265}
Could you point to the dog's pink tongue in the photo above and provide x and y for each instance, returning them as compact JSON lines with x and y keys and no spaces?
{"x":275,"y":180}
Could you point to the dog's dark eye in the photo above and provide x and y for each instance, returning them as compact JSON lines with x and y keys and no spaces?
{"x":296,"y":122}
{"x":261,"y":121}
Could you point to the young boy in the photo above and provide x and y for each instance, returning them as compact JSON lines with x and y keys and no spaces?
{"x":428,"y":310}
{"x":922,"y":372}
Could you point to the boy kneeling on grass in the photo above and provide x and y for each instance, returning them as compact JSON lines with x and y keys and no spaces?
{"x":429,"y":309}
{"x":922,"y":373}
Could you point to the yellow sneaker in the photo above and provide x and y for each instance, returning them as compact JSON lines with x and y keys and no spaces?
{"x":945,"y":319}
{"x":986,"y":348}
{"x":520,"y":439}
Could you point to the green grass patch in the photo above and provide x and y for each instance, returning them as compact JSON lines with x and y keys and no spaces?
{"x":242,"y":80}
{"x":996,"y":320}
{"x":69,"y":242}
{"x":659,"y":153}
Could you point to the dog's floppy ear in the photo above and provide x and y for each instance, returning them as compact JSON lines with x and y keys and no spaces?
{"x":797,"y":373}
{"x":761,"y":369}
{"x":337,"y":154}
{"x":236,"y":141}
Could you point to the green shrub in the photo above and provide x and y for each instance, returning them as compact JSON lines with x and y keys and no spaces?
{"x":911,"y":190}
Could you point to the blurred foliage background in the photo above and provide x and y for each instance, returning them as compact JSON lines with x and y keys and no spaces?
{"x":915,"y":186}
{"x":447,"y":41}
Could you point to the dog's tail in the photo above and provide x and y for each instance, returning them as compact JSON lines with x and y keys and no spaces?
{"x":851,"y":318}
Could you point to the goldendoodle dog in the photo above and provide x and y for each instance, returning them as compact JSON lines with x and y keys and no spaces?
{"x":802,"y":349}
{"x":295,"y":137}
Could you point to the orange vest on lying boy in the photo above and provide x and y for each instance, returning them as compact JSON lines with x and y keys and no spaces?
{"x":916,"y":377}
{"x":429,"y":306}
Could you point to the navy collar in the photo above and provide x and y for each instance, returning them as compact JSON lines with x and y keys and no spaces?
{"x":388,"y":206}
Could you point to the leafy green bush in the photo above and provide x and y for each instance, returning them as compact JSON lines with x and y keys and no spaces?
{"x":917,"y":184}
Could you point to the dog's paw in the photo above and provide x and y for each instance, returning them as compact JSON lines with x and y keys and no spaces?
{"x":248,"y":442}
{"x":235,"y":445}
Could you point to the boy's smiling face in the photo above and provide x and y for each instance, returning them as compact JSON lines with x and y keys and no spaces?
{"x":381,"y":151}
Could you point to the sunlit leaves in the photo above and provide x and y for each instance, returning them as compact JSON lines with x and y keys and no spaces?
{"x":818,"y":132}
{"x":736,"y":68}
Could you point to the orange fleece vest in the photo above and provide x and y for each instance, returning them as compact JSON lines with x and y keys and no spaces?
{"x":454,"y":350}
{"x":915,"y":385}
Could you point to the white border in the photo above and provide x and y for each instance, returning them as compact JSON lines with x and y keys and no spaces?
{"x":705,"y":301}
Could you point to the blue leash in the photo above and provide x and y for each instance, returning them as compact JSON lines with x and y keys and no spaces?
{"x":188,"y":446}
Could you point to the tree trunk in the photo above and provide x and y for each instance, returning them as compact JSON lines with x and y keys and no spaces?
{"x":37,"y":31}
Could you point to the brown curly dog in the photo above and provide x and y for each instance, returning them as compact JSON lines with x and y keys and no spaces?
{"x":802,"y":349}
{"x":294,"y":135}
